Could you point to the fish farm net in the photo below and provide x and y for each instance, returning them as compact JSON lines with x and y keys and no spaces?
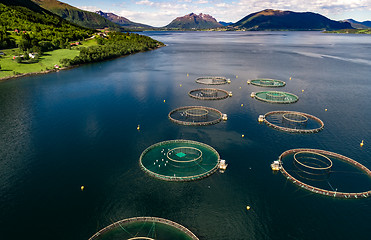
{"x":262,"y":82}
{"x":179,"y":160}
{"x":212,"y":80}
{"x":208,"y":94}
{"x":149,"y":228}
{"x":195,"y":115}
{"x":291,"y":121}
{"x":276,"y":97}
{"x":326,"y":173}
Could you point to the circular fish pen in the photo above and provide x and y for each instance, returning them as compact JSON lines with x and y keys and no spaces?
{"x":322,"y":171}
{"x":276,"y":97}
{"x":149,"y":228}
{"x":195,"y":116}
{"x":292,"y":121}
{"x":209,"y":94}
{"x":266,"y":82}
{"x":179,"y":160}
{"x":213,"y":80}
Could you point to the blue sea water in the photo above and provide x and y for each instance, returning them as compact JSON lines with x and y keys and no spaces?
{"x":78,"y":127}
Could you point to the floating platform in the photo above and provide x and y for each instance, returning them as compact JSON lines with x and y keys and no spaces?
{"x":266,"y":82}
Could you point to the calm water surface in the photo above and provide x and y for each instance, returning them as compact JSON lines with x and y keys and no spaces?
{"x":78,"y":127}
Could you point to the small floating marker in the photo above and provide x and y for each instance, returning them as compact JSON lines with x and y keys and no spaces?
{"x":243,"y":135}
{"x":290,"y":78}
{"x":302,"y":90}
{"x":325,"y":109}
{"x":180,"y":85}
{"x":248,"y":207}
{"x":242,"y":105}
{"x":240,"y":87}
{"x":138,"y":127}
{"x":236,"y":76}
{"x":187,"y":75}
{"x":361,"y":144}
{"x":164,"y":100}
{"x":82,"y":188}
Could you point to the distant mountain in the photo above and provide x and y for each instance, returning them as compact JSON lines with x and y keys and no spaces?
{"x":122,"y":21}
{"x":225,"y":23}
{"x":76,"y":15}
{"x":194,"y":21}
{"x":360,"y":25}
{"x":270,"y":19}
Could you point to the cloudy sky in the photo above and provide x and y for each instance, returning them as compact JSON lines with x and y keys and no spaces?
{"x":161,"y":12}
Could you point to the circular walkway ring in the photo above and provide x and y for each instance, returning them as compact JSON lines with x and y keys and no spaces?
{"x":267,"y":82}
{"x":320,"y":190}
{"x":192,"y":160}
{"x":145,"y":219}
{"x":286,"y":116}
{"x":293,"y":130}
{"x":202,"y":123}
{"x":212,"y":80}
{"x":224,"y":96}
{"x":329,"y":165}
{"x":285,"y":97}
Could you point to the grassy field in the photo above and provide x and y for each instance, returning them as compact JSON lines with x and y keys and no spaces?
{"x":9,"y":67}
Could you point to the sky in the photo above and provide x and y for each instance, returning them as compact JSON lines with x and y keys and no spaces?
{"x":159,"y":13}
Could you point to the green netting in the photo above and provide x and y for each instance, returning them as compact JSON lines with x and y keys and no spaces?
{"x":276,"y":97}
{"x":179,"y":160}
{"x":209,"y":94}
{"x":264,"y":82}
{"x":144,"y":228}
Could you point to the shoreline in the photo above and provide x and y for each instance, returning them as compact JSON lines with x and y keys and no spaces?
{"x":65,"y":68}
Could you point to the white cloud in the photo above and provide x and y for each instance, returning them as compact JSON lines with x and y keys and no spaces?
{"x":145,"y":2}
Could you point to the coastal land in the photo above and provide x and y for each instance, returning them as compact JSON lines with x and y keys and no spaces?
{"x":34,"y":40}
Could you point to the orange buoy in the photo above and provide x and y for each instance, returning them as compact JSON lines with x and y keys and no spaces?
{"x":361,"y":144}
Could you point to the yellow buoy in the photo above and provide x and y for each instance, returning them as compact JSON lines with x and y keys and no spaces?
{"x":240,"y":87}
{"x":236,"y":76}
{"x":187,"y":75}
{"x":361,"y":144}
{"x":290,"y":78}
{"x":243,"y":135}
{"x":241,"y":105}
{"x":82,"y":188}
{"x":164,"y":100}
{"x":325,"y":109}
{"x":302,"y":90}
{"x":248,"y":207}
{"x":180,"y":85}
{"x":138,"y":127}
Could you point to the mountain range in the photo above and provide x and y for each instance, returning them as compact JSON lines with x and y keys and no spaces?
{"x":76,"y":15}
{"x":122,"y":21}
{"x":194,"y":21}
{"x":360,"y":25}
{"x":270,"y":19}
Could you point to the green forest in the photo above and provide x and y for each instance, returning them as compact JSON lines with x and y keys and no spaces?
{"x":30,"y":34}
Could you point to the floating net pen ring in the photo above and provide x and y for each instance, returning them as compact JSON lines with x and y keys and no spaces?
{"x":328,"y":163}
{"x":133,"y":228}
{"x":177,"y":151}
{"x":209,"y":94}
{"x":293,"y":130}
{"x":288,"y":116}
{"x":266,"y":82}
{"x":321,"y":191}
